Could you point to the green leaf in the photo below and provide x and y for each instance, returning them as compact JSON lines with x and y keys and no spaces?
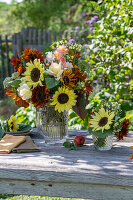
{"x":15,"y":83}
{"x":51,"y":82}
{"x":100,"y":133}
{"x":1,"y":133}
{"x":24,"y":127}
{"x":70,"y":145}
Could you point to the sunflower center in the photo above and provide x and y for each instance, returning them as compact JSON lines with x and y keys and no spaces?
{"x":63,"y":98}
{"x":66,"y":80}
{"x":41,"y":95}
{"x":35,"y":75}
{"x":103,"y":121}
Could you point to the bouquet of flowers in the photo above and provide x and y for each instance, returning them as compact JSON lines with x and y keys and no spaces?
{"x":105,"y":119}
{"x":104,"y":123}
{"x":55,"y":77}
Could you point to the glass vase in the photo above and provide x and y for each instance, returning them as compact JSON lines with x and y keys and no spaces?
{"x":52,"y":124}
{"x":103,"y":144}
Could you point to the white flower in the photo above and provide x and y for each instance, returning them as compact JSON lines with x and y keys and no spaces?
{"x":55,"y":70}
{"x":7,"y":81}
{"x":24,"y":91}
{"x":50,"y":57}
{"x":68,"y":65}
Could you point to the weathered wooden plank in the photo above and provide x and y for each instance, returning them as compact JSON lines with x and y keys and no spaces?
{"x":60,"y":34}
{"x":7,"y":57}
{"x":13,"y":45}
{"x":49,"y":37}
{"x":30,"y":36}
{"x":54,"y":36}
{"x":39,"y":37}
{"x":94,"y":191}
{"x":70,"y":176}
{"x":34,"y":36}
{"x":3,"y":72}
{"x":19,"y":43}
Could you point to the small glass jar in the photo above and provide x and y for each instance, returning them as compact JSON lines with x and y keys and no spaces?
{"x":52,"y":124}
{"x":103,"y":144}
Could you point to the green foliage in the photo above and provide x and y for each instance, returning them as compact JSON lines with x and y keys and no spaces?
{"x":42,"y":14}
{"x":51,"y":82}
{"x":27,"y":115}
{"x":111,"y":53}
{"x":70,"y":145}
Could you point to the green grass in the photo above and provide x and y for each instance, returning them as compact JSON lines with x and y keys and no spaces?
{"x":27,"y":197}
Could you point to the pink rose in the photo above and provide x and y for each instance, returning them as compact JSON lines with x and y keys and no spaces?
{"x":63,"y":61}
{"x":58,"y":54}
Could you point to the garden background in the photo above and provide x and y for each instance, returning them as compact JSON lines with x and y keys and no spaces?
{"x":104,"y":27}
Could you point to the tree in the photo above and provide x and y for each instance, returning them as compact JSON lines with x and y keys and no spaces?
{"x":42,"y":13}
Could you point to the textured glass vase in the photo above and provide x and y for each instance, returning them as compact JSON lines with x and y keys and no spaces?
{"x":103,"y":144}
{"x":52,"y":124}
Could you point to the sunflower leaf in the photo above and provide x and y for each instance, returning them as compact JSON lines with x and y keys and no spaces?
{"x":100,"y":133}
{"x":51,"y":82}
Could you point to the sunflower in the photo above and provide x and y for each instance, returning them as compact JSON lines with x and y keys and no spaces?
{"x":67,"y":78}
{"x":64,"y":99}
{"x":34,"y":74}
{"x":40,"y":96}
{"x":13,"y":124}
{"x":124,"y":129}
{"x":102,"y":120}
{"x":29,"y":55}
{"x":79,"y":76}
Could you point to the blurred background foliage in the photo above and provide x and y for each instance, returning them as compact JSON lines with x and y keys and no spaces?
{"x":109,"y":47}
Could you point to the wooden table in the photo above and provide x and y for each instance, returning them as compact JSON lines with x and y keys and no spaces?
{"x":56,"y":171}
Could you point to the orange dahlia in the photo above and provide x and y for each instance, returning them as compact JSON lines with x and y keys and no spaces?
{"x":17,"y":63}
{"x":124,"y":129}
{"x":67,"y":78}
{"x":40,"y":96}
{"x":29,"y":55}
{"x":18,"y":100}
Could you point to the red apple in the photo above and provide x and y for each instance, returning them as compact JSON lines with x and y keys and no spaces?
{"x":79,"y":140}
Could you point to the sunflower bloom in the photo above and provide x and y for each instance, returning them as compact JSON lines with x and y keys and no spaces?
{"x":101,"y":120}
{"x":30,"y":56}
{"x":80,"y":76}
{"x":64,"y":99}
{"x":40,"y":96}
{"x":34,"y":74}
{"x":13,"y":124}
{"x":124,"y":129}
{"x":67,"y":78}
